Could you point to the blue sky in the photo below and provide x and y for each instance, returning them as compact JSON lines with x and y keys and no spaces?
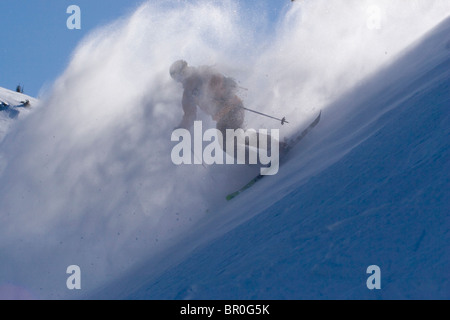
{"x":36,"y":44}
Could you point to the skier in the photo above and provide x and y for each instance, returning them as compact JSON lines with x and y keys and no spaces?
{"x":214,"y":94}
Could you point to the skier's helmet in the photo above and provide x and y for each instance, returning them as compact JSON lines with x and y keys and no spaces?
{"x":177,"y":69}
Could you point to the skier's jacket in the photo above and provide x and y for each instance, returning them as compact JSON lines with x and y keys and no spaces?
{"x":211,"y":91}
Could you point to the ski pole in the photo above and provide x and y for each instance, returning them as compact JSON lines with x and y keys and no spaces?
{"x":283,"y":120}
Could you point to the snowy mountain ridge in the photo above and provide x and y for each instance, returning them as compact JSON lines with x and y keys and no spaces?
{"x":13,"y":105}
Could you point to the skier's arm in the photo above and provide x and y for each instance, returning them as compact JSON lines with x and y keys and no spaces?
{"x":190,"y":111}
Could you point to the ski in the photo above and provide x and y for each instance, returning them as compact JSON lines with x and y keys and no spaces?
{"x":290,"y":144}
{"x":293,"y":141}
{"x":248,"y":185}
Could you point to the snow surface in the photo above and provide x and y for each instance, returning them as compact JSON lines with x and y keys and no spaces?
{"x":11,"y":108}
{"x":87,"y":179}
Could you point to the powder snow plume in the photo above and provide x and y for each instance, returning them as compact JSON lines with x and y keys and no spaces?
{"x":87,"y":178}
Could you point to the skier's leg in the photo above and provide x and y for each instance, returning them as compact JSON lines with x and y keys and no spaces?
{"x":267,"y":145}
{"x":232,"y":120}
{"x":252,"y":141}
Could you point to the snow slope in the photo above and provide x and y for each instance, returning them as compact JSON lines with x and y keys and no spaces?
{"x":87,"y":179}
{"x":370,"y":186}
{"x":11,"y":107}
